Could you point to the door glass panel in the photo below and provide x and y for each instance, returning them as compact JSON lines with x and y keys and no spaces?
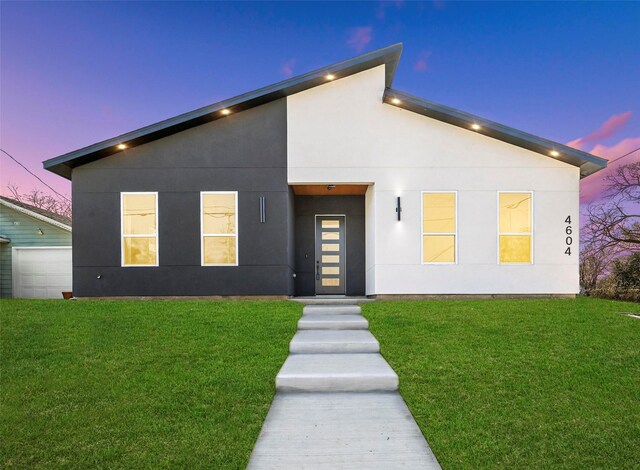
{"x":331,"y":235}
{"x":330,"y":224}
{"x":330,"y":258}
{"x":331,"y":270}
{"x":330,"y":247}
{"x":330,"y":282}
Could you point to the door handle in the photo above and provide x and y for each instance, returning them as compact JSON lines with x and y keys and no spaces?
{"x":317,"y":270}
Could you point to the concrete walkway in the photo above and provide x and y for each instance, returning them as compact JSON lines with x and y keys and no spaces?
{"x":337,"y":404}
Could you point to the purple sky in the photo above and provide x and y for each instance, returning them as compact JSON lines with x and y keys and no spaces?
{"x":76,"y":73}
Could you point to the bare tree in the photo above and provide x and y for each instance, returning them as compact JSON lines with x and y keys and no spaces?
{"x":42,"y":200}
{"x":616,"y":221}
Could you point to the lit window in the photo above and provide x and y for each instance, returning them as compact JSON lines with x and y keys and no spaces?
{"x":515,"y":228}
{"x":439,"y":227}
{"x":139,"y":229}
{"x":219,"y":219}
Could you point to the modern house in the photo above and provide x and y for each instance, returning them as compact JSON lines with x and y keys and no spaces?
{"x":35,"y":251}
{"x":332,"y":182}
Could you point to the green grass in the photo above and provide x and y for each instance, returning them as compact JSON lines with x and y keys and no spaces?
{"x":137,"y":384}
{"x":518,"y":383}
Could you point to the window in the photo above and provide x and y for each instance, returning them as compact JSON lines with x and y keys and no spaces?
{"x":139,"y":229}
{"x":515,"y":227}
{"x":219,"y":222}
{"x":439,"y":227}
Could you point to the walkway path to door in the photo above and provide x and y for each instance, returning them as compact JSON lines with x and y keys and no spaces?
{"x":337,"y":403}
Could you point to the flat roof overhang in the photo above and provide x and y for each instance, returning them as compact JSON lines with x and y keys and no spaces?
{"x":329,"y":189}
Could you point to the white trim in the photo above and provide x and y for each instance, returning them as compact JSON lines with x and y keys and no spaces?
{"x":423,"y":233}
{"x":35,"y":215}
{"x":202,"y":234}
{"x":153,"y":235}
{"x":529,"y":234}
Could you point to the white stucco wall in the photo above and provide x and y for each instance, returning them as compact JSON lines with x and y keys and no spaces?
{"x":341,"y":132}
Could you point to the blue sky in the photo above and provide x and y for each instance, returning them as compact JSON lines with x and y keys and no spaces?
{"x":76,"y":73}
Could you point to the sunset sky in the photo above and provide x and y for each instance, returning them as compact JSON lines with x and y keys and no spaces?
{"x":73,"y":74}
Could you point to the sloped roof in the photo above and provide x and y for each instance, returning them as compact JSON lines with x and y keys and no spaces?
{"x":37,"y":213}
{"x":388,"y":56}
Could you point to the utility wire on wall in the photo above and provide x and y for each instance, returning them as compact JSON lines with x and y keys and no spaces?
{"x":34,"y":175}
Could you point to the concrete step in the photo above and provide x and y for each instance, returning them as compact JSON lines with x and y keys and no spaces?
{"x":332,"y":309}
{"x":333,"y":341}
{"x":336,"y":373}
{"x":337,"y":300}
{"x":332,"y":322}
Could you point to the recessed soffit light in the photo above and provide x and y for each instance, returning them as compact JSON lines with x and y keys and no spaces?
{"x":475,"y":127}
{"x":330,"y":76}
{"x":226,"y":112}
{"x":396,"y":101}
{"x":554,"y":153}
{"x":121,"y":146}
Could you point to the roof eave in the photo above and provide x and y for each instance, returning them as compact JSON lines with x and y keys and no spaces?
{"x":388,"y":56}
{"x":35,"y":215}
{"x":587,"y":162}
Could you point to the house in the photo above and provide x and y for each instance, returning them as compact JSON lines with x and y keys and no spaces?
{"x":35,"y":251}
{"x":332,"y":182}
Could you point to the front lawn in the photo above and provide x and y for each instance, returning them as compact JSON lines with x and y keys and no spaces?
{"x":134,"y":384}
{"x":518,"y":383}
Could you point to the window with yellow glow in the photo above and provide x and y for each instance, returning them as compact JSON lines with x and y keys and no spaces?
{"x":439,"y":227}
{"x":219,"y":221}
{"x":139,"y":229}
{"x":515,"y":237}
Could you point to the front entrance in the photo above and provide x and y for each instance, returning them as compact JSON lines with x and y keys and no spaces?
{"x":330,"y":254}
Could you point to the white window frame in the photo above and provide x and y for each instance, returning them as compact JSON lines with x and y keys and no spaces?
{"x":153,"y":235}
{"x":530,"y":234}
{"x":455,"y":234}
{"x":202,"y":234}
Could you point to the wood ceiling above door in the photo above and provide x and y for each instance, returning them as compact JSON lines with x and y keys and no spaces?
{"x":323,"y":189}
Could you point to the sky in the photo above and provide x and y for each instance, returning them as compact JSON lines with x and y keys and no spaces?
{"x":75,"y":73}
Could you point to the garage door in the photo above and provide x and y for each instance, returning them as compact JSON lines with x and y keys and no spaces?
{"x":41,"y":272}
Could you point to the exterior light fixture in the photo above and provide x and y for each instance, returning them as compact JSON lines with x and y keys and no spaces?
{"x":396,"y":101}
{"x":554,"y":153}
{"x":330,"y":76}
{"x":475,"y":127}
{"x":398,"y":207}
{"x":121,"y":146}
{"x":263,"y":210}
{"x":40,"y":232}
{"x":225,"y":112}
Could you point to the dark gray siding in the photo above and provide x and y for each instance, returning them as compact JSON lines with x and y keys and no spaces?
{"x":245,"y":152}
{"x":306,"y":208}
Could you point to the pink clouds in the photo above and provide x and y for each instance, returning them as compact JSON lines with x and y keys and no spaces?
{"x":421,"y":63}
{"x":287,"y":68}
{"x":359,"y":37}
{"x":592,"y":187}
{"x":606,"y":130}
{"x":381,"y":11}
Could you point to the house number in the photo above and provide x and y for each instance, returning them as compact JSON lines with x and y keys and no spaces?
{"x":569,"y":240}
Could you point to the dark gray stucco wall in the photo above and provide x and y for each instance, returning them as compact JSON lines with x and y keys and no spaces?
{"x":306,"y":208}
{"x":245,"y":152}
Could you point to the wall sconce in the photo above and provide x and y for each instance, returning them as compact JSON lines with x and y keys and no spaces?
{"x":398,"y":207}
{"x":263,"y":210}
{"x":40,"y":232}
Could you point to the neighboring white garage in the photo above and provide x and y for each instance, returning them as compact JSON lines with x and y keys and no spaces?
{"x":35,"y":251}
{"x":41,"y":272}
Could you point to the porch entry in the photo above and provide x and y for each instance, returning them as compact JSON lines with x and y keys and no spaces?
{"x":330,"y":254}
